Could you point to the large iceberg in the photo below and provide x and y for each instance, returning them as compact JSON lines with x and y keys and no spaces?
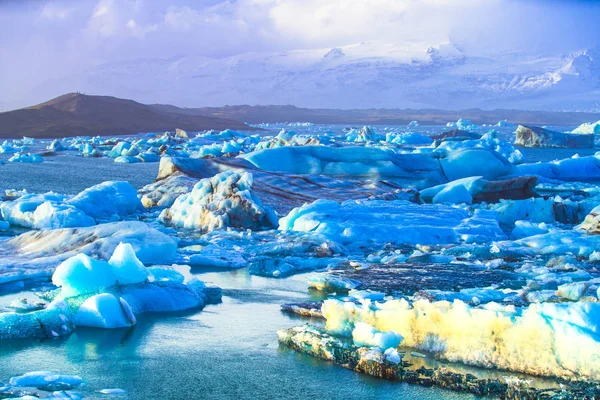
{"x":588,"y":128}
{"x":108,"y":199}
{"x":225,"y":200}
{"x":398,"y":222}
{"x":105,"y":201}
{"x":100,"y":294}
{"x":35,"y":254}
{"x":477,"y":189}
{"x":539,"y":137}
{"x":553,"y":339}
{"x":371,"y":162}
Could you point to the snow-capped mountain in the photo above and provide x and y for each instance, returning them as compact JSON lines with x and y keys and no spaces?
{"x":364,"y":75}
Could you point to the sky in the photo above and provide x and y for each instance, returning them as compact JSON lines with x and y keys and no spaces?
{"x":43,"y":40}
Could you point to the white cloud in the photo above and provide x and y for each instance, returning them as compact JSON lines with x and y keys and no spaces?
{"x":53,"y":11}
{"x":72,"y":35}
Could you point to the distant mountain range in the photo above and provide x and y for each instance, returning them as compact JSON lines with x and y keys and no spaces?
{"x":360,"y":76}
{"x":76,"y":114}
{"x":271,"y":114}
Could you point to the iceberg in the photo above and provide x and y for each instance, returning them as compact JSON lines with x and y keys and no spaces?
{"x":107,"y":199}
{"x":476,"y":189}
{"x":550,"y":339}
{"x":588,"y":128}
{"x":372,"y":162}
{"x":82,"y":274}
{"x":281,"y":192}
{"x":100,"y":294}
{"x":397,"y":222}
{"x":44,"y":378}
{"x":35,"y":254}
{"x":364,"y":334}
{"x":104,"y":311}
{"x":22,"y":157}
{"x":539,"y":137}
{"x":164,"y":192}
{"x":225,"y":200}
{"x":581,"y":169}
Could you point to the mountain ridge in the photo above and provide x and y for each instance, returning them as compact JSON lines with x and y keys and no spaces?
{"x":76,"y":114}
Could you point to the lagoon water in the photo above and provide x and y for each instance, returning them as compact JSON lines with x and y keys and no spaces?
{"x":226,"y":351}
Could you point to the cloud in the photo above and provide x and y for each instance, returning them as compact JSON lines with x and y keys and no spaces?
{"x":54,"y":11}
{"x":70,"y":36}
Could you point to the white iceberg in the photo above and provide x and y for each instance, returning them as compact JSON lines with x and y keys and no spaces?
{"x":225,"y":200}
{"x":104,"y":311}
{"x":551,"y":339}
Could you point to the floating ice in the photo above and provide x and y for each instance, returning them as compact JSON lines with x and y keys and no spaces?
{"x":35,"y":254}
{"x":540,"y":137}
{"x":554,"y":339}
{"x":26,"y":158}
{"x":82,"y":274}
{"x":399,"y":222}
{"x":479,"y":190}
{"x":570,"y":169}
{"x":372,"y":162}
{"x":107,"y":199}
{"x":43,"y":378}
{"x":364,"y":334}
{"x":53,"y":321}
{"x":104,"y":311}
{"x":226,"y":200}
{"x":588,"y":128}
{"x":332,"y":283}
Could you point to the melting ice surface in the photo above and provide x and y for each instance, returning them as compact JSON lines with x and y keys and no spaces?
{"x":345,"y":201}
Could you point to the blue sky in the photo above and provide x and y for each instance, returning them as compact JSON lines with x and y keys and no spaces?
{"x":40,"y":40}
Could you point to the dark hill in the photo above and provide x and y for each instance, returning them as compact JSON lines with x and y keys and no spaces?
{"x":77,"y":114}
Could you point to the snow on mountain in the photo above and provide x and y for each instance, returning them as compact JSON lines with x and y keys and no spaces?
{"x":363,"y":75}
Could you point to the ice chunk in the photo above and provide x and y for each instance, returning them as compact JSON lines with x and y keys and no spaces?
{"x":484,"y":190}
{"x":50,"y":215}
{"x":43,"y":378}
{"x":163,"y":193}
{"x":392,"y":355}
{"x":56,"y":145}
{"x":377,"y":163}
{"x":570,"y":169}
{"x":553,"y":339}
{"x":107,"y":199}
{"x":332,"y":283}
{"x":453,"y":195}
{"x":398,"y":222}
{"x":408,"y":138}
{"x":225,"y":200}
{"x":53,"y":321}
{"x":365,"y":335}
{"x":126,"y":266}
{"x":82,"y":274}
{"x":540,"y":137}
{"x":35,"y":250}
{"x":527,"y":228}
{"x":572,"y":291}
{"x":104,"y":311}
{"x":591,"y":223}
{"x":588,"y":128}
{"x":26,"y":158}
{"x":114,"y":391}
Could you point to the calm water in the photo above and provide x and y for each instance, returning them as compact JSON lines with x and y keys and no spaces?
{"x":225,"y":351}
